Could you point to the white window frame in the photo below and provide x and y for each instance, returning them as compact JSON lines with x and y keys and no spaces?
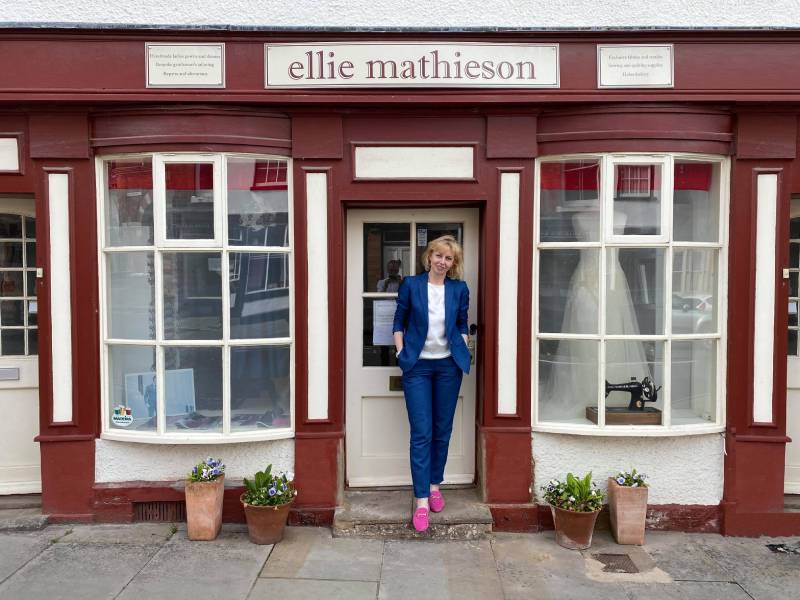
{"x":161,"y":245}
{"x":606,"y":191}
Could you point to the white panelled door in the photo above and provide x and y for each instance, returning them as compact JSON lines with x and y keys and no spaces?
{"x":383,"y":246}
{"x":20,"y":471}
{"x":792,"y":473}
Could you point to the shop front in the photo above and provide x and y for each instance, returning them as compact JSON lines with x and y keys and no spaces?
{"x":203,"y":237}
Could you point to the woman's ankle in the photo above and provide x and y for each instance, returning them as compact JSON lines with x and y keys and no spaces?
{"x":434,"y":487}
{"x":422,"y":502}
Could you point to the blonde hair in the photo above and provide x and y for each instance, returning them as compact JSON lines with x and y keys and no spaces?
{"x":449,"y":242}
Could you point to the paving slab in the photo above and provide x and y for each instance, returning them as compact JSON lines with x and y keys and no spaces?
{"x":303,"y":589}
{"x":131,"y":533}
{"x":687,"y":590}
{"x":70,"y":571}
{"x":685,"y":557}
{"x":439,"y":570}
{"x":313,"y":553}
{"x":223,"y":569}
{"x":18,"y":549}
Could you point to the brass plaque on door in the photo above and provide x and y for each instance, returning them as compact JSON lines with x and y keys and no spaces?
{"x":395,"y":383}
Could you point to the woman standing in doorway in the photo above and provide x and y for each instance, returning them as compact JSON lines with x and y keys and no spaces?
{"x":430,"y":335}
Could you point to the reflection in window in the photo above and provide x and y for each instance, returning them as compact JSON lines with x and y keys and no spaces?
{"x":260,"y":392}
{"x":190,"y":201}
{"x":18,"y":304}
{"x":637,"y":200}
{"x":259,"y":295}
{"x":129,"y":202}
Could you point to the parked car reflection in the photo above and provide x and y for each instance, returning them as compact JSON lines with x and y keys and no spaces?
{"x":693,"y":314}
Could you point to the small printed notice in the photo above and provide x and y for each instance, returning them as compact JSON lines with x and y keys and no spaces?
{"x":422,"y":237}
{"x":636,"y":66}
{"x":382,"y":321}
{"x":185,"y":65}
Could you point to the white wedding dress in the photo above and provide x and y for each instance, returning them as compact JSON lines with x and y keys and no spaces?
{"x":572,"y":383}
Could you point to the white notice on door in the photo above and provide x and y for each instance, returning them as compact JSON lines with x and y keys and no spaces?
{"x":382,"y":320}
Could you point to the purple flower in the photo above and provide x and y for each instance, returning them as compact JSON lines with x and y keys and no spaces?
{"x":272,"y":491}
{"x":621,"y":480}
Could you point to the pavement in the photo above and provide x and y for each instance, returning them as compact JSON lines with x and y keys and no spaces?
{"x":156,"y":560}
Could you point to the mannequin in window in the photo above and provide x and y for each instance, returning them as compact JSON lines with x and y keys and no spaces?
{"x":572,"y":383}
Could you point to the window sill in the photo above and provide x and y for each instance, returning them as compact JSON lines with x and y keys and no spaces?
{"x":198,"y":438}
{"x":630,"y":430}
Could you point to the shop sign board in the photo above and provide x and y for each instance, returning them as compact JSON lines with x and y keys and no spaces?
{"x":185,"y":65}
{"x":411,"y":65}
{"x":636,"y":66}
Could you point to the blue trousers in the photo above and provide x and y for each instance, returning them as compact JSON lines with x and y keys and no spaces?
{"x":431,"y":392}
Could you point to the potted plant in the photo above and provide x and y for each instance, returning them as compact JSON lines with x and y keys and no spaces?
{"x":575,"y":504}
{"x":205,"y":486}
{"x":266,"y":502}
{"x":627,"y":504}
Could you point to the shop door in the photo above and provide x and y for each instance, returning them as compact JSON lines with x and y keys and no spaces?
{"x":19,"y":365}
{"x":792,"y":474}
{"x":383,"y":246}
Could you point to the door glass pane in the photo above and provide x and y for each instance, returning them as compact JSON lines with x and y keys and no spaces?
{"x":694,"y":377}
{"x":11,"y":312}
{"x":259,"y":295}
{"x":637,"y":199}
{"x":694,"y":287}
{"x":30,"y":228}
{"x":30,"y":277}
{"x":258,"y":202}
{"x":379,"y":349}
{"x":568,"y":291}
{"x":190,"y":201}
{"x":130,"y":283}
{"x":11,"y":254}
{"x":33,"y":312}
{"x":567,"y":380}
{"x":792,"y":342}
{"x":194,"y":389}
{"x":192,"y":295}
{"x":33,"y":342}
{"x":260,"y":388}
{"x":387,"y":256}
{"x":695,"y":216}
{"x":11,"y":283}
{"x":793,"y":278}
{"x":569,"y":206}
{"x":10,"y":226}
{"x":635,"y":291}
{"x":427,"y":232}
{"x":13,"y":342}
{"x":30,"y":254}
{"x":132,"y":390}
{"x":129,"y":203}
{"x":792,"y":313}
{"x":631,"y":361}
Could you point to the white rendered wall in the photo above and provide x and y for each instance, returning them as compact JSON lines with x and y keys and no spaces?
{"x":681,"y":470}
{"x":438,"y":15}
{"x":126,"y":461}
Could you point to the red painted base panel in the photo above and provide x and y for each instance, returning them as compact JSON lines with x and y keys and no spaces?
{"x":691,"y":518}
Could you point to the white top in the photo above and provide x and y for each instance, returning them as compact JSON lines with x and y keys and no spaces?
{"x":436,"y":344}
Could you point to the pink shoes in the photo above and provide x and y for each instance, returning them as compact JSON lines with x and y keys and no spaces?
{"x":436,"y":501}
{"x":420,"y":519}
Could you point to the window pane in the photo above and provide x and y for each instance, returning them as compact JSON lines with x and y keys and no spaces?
{"x":694,"y":291}
{"x":427,"y":232}
{"x":30,"y":277}
{"x":190,"y":201}
{"x":793,"y":291}
{"x":132,"y":386}
{"x":30,"y":227}
{"x":259,"y":289}
{"x":33,"y":342}
{"x":11,"y":283}
{"x":631,"y":361}
{"x":194,"y":389}
{"x":792,"y":342}
{"x":129,"y":203}
{"x":378,"y":340}
{"x":568,"y":291}
{"x":258,"y":202}
{"x":637,"y":199}
{"x":30,"y":254}
{"x":794,"y":255}
{"x":13,"y":342}
{"x":11,"y":254}
{"x":192,"y":295}
{"x":635,"y":291}
{"x":11,"y":312}
{"x":569,"y":201}
{"x":33,"y":312}
{"x":567,"y":380}
{"x":792,"y":313}
{"x":260,"y":390}
{"x":10,"y":226}
{"x":131,"y":295}
{"x":694,"y":377}
{"x":695,"y":216}
{"x":387,"y":256}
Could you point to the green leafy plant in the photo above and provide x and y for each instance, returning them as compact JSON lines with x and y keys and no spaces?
{"x":576,"y":494}
{"x":269,"y":489}
{"x":208,"y":470}
{"x":632,"y":479}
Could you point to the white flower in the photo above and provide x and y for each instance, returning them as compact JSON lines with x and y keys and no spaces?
{"x":635,"y":485}
{"x":289,"y":476}
{"x":572,"y":498}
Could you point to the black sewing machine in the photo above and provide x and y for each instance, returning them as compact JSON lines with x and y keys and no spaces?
{"x":640,"y":391}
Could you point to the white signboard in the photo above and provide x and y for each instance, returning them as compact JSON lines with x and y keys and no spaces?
{"x":407,"y":64}
{"x":636,"y":66}
{"x":185,"y":65}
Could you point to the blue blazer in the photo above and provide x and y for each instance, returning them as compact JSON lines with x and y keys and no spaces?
{"x":411,"y":317}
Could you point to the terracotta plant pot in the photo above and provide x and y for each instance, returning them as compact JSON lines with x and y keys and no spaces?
{"x":573,"y":529}
{"x":265,"y":524}
{"x":628,"y":509}
{"x":204,"y":508}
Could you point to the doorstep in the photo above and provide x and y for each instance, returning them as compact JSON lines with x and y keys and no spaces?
{"x":21,"y":513}
{"x":387,"y":515}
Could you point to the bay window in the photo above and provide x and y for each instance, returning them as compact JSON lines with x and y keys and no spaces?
{"x":196,"y":301}
{"x":629,"y":317}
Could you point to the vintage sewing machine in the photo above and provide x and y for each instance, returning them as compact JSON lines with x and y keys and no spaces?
{"x":636,"y":413}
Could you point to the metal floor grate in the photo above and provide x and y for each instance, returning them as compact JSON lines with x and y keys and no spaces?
{"x":616,"y":563}
{"x":160,"y":512}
